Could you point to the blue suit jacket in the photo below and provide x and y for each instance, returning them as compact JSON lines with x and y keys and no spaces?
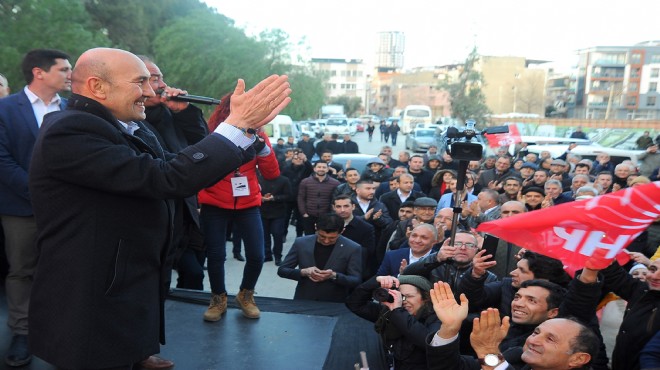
{"x":18,"y":133}
{"x":392,"y":262}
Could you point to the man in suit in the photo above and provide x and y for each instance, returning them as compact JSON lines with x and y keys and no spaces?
{"x":373,"y":211}
{"x":326,"y":265}
{"x":486,"y":208}
{"x":46,"y":73}
{"x":421,"y":241}
{"x":102,"y":204}
{"x":393,"y":199}
{"x":358,"y":230}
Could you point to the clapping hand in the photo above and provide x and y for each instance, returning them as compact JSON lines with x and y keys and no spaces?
{"x":449,"y":312}
{"x":488,"y":331}
{"x":480,"y":263}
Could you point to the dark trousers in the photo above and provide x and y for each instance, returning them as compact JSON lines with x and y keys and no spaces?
{"x":273,"y":229}
{"x":22,"y":255}
{"x":310,"y":224}
{"x":394,"y":138}
{"x":214,"y":226}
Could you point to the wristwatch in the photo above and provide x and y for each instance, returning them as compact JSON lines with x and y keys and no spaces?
{"x":492,"y":359}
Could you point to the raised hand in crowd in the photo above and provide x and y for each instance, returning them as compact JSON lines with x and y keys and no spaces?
{"x":259,"y":105}
{"x":488,"y":331}
{"x":547,"y":201}
{"x":480,"y":263}
{"x":446,"y":251}
{"x":639,"y":258}
{"x":450,"y":313}
{"x":387,"y":281}
{"x":495,"y":185}
{"x":404,"y":264}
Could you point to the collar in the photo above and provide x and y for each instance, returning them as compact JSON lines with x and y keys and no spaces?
{"x":33,"y":98}
{"x":130,"y":127}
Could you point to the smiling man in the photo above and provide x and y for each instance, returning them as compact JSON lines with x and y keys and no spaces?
{"x":88,"y":169}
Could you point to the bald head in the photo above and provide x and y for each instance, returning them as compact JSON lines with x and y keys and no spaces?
{"x":115,"y":78}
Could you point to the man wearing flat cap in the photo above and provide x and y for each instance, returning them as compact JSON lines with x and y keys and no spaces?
{"x":424,"y":211}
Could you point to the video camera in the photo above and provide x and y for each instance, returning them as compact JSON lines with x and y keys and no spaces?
{"x":459,"y":143}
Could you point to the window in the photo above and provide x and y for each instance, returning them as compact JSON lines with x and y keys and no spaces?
{"x":636,"y":58}
{"x":333,"y":73}
{"x":655,"y":72}
{"x":633,"y":86}
{"x":650,"y":101}
{"x":653,"y":87}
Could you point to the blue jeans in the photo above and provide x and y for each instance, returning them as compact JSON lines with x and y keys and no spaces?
{"x":274,"y":227}
{"x":214,"y":225}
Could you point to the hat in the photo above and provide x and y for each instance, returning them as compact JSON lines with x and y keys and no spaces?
{"x":305,"y":134}
{"x":530,"y":165}
{"x":421,"y":282}
{"x":637,"y":266}
{"x":533,"y":189}
{"x":434,"y":157}
{"x":557,"y":162}
{"x":376,"y":160}
{"x":425,"y":202}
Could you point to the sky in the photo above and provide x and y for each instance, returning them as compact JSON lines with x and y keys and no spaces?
{"x":442,"y":32}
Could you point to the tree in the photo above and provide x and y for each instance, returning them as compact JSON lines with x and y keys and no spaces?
{"x":306,"y":97}
{"x":133,"y":24}
{"x":352,"y":104}
{"x":467,"y":99}
{"x":48,"y":24}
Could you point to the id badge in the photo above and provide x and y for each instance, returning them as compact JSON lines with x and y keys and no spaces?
{"x":239,"y":186}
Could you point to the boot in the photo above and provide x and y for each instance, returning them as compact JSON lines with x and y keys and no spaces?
{"x":245,"y":300}
{"x":217,"y":307}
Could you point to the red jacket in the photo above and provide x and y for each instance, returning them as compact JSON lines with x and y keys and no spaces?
{"x":220,"y":195}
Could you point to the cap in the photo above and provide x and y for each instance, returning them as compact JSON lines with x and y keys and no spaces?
{"x":637,"y":266}
{"x":425,"y":202}
{"x":585,"y":162}
{"x":529,"y":165}
{"x":558,"y":162}
{"x":433,"y":157}
{"x":305,"y":134}
{"x":533,"y":189}
{"x":421,"y":282}
{"x":376,"y":160}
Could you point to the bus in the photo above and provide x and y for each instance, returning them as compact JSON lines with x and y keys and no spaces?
{"x":411,"y":115}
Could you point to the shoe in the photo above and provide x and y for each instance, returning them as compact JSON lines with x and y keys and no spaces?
{"x":268,"y":259}
{"x":278,"y":261}
{"x":155,"y":362}
{"x":238,"y":256}
{"x":18,"y":354}
{"x":217,"y":307}
{"x":245,"y":301}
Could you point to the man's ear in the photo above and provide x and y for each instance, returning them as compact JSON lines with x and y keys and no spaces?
{"x":97,"y":87}
{"x":578,"y":359}
{"x":553,"y":313}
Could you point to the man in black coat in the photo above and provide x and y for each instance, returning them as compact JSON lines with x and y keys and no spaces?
{"x":393,"y":199}
{"x":350,"y":146}
{"x":102,"y":205}
{"x":357,"y":230}
{"x":306,"y":145}
{"x":275,"y":195}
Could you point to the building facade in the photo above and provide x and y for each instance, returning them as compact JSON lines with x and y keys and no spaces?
{"x":618,"y":82}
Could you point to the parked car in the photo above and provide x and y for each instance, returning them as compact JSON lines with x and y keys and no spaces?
{"x":340,"y":126}
{"x":358,"y":161}
{"x":420,"y":139}
{"x":589,"y":152}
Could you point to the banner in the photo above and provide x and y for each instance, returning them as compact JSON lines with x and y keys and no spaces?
{"x":498,"y":140}
{"x":596,"y":229}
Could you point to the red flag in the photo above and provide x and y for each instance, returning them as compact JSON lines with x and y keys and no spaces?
{"x":498,"y":140}
{"x":596,"y":229}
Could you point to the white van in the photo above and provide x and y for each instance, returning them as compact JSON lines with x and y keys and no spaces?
{"x":281,"y":127}
{"x":412,"y":115}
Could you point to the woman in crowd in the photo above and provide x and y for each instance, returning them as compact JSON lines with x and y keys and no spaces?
{"x":440,"y":183}
{"x":236,"y":199}
{"x":403,"y":322}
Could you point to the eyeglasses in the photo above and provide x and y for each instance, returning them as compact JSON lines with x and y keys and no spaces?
{"x":466,"y":245}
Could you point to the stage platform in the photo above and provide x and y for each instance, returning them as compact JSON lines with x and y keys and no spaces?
{"x":289,"y":335}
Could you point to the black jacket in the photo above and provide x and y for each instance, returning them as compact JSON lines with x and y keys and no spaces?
{"x":403,"y":335}
{"x":641,"y":320}
{"x":280,"y":188}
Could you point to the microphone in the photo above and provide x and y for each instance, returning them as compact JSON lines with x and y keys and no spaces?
{"x":191,"y":98}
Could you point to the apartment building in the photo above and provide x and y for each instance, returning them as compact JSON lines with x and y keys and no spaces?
{"x":618,"y":82}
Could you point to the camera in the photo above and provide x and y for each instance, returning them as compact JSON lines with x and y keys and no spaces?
{"x":383,"y":295}
{"x":459,"y":142}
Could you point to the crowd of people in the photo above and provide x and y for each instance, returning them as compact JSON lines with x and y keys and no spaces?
{"x":121,"y":185}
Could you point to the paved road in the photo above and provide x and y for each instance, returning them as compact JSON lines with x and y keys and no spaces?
{"x":269,"y":284}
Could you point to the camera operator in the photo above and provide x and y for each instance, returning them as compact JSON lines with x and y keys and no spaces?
{"x":403,"y":318}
